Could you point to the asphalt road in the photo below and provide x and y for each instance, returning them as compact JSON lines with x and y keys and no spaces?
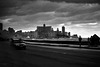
{"x":37,"y":56}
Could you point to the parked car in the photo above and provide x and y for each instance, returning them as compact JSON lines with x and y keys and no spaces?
{"x":18,"y":44}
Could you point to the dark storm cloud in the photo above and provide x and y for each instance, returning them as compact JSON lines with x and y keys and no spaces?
{"x":77,"y":1}
{"x":27,"y":14}
{"x":37,"y":7}
{"x":79,"y":8}
{"x":4,"y":7}
{"x":9,"y":7}
{"x":54,"y":12}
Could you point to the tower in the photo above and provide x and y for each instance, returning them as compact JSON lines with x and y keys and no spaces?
{"x":57,"y":34}
{"x":63,"y":30}
{"x":43,"y":25}
{"x":68,"y":34}
{"x":57,"y":29}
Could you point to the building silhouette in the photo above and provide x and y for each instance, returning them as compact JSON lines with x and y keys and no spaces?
{"x":48,"y":32}
{"x":69,"y":34}
{"x":11,"y":30}
{"x":1,"y":26}
{"x":44,"y":31}
{"x":74,"y":36}
{"x":63,"y":30}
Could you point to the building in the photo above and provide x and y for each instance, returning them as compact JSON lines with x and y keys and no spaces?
{"x":30,"y":34}
{"x":58,"y":33}
{"x":1,"y":26}
{"x":74,"y":36}
{"x":63,"y":30}
{"x":68,"y":34}
{"x":11,"y":30}
{"x":44,"y":31}
{"x":48,"y":32}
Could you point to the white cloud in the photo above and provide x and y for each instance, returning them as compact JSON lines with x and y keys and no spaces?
{"x":6,"y":20}
{"x":92,"y":23}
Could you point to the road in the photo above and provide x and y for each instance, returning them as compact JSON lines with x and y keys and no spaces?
{"x":37,"y":56}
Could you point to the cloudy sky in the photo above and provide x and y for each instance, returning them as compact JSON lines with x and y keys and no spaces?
{"x":80,"y":17}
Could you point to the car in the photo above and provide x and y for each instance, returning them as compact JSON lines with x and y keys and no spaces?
{"x":20,"y":45}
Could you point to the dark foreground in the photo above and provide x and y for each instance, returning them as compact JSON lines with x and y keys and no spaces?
{"x":35,"y":56}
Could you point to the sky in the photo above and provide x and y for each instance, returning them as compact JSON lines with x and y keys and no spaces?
{"x":80,"y":17}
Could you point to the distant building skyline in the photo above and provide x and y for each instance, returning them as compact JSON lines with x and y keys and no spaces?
{"x":61,"y":29}
{"x":44,"y":31}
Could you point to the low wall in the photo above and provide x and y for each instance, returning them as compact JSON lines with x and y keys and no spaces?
{"x":59,"y":42}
